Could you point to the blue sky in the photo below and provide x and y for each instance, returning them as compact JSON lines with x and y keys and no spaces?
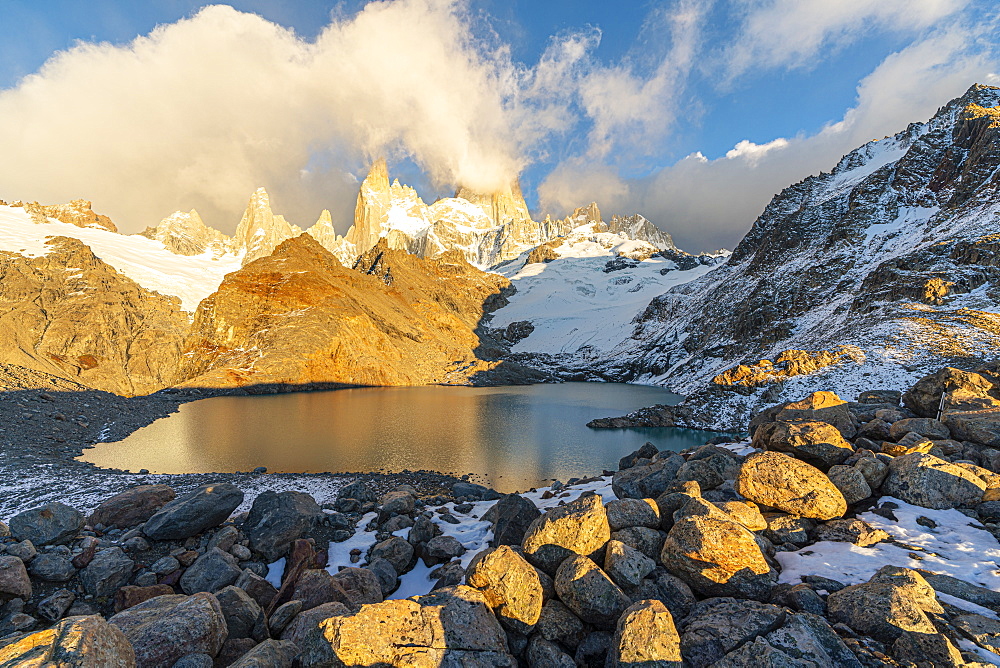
{"x":643,"y":101}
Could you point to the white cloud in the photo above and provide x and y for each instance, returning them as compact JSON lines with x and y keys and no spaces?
{"x":791,"y":33}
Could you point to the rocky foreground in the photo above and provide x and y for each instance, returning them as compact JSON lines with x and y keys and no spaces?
{"x":842,"y":534}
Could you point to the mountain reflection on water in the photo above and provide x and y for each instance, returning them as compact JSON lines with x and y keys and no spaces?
{"x":514,"y":437}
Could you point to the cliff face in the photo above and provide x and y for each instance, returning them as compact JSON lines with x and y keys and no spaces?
{"x":260,"y":230}
{"x":78,"y":212}
{"x":300,"y":317}
{"x":70,"y":315}
{"x":893,"y":252}
{"x":186,"y":234}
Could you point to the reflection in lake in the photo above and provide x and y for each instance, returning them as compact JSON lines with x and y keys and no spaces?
{"x":514,"y":437}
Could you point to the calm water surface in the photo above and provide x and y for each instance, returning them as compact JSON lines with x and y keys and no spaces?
{"x":514,"y":437}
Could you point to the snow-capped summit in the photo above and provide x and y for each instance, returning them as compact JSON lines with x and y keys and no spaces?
{"x":185,"y":233}
{"x":260,"y":230}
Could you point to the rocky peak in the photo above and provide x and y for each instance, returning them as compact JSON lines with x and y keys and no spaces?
{"x":372,"y":209}
{"x":503,"y":206}
{"x":260,"y":230}
{"x":639,"y":228}
{"x":185,"y":233}
{"x":79,"y":212}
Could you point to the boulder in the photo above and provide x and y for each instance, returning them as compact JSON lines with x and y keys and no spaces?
{"x":52,"y":567}
{"x":779,"y":481}
{"x":873,"y":469}
{"x":645,"y":636}
{"x":885,"y":606}
{"x":166,"y":628}
{"x":558,"y":623}
{"x":244,"y":617}
{"x":666,"y":588}
{"x":80,"y":642}
{"x":626,"y":565}
{"x":876,"y":430}
{"x":441,"y":550}
{"x":542,"y":653}
{"x":624,"y":513}
{"x":512,"y":515}
{"x":851,"y":482}
{"x":820,"y":407}
{"x":388,"y":579}
{"x":924,"y":398}
{"x":130,"y":595}
{"x":204,"y":508}
{"x":925,"y":480}
{"x":353,"y":587}
{"x":131,"y":507}
{"x":449,"y":627}
{"x":982,"y":426}
{"x":397,"y":551}
{"x":276,"y":519}
{"x":210,"y":572}
{"x":268,"y":654}
{"x":927,"y":649}
{"x":647,"y":481}
{"x":814,"y":442}
{"x":109,"y":571}
{"x":14,"y":581}
{"x":54,"y":606}
{"x":717,"y":557}
{"x":926,"y":427}
{"x":784,"y":528}
{"x":302,"y":623}
{"x":395,"y":503}
{"x":647,"y":451}
{"x":745,"y":512}
{"x":473,"y":492}
{"x":579,"y":527}
{"x":51,"y":524}
{"x":259,"y":589}
{"x":510,"y":586}
{"x":359,"y":491}
{"x":646,"y":540}
{"x":717,"y":626}
{"x":853,"y":530}
{"x":359,"y":585}
{"x":587,"y":590}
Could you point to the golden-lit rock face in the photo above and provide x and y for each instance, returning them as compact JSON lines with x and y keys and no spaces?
{"x":300,"y":317}
{"x":789,"y":364}
{"x":70,"y":315}
{"x":78,"y":212}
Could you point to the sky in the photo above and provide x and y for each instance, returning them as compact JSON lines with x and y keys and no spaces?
{"x":693,"y":113}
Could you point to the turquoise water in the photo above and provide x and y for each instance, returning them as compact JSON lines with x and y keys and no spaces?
{"x":514,"y":437}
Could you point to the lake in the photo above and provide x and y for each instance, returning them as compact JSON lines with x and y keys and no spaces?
{"x":513,"y":437}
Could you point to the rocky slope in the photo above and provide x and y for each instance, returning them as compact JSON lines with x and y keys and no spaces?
{"x":69,"y":315}
{"x":892,"y":253}
{"x":849,"y":534}
{"x":298,"y":317}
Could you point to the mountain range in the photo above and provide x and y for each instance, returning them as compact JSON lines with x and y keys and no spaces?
{"x":869,"y":274}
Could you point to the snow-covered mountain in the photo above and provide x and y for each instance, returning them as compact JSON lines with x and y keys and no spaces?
{"x":893,"y":254}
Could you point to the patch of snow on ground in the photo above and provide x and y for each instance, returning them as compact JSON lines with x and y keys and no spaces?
{"x":955,"y":547}
{"x":147,"y":262}
{"x":339,"y":554}
{"x":274,"y":572}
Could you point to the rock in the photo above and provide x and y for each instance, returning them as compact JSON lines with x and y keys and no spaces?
{"x":131,"y":507}
{"x":299,"y":627}
{"x":924,"y":480}
{"x":626,"y":565}
{"x":892,"y":397}
{"x":233,"y":650}
{"x":874,"y":470}
{"x":358,"y":490}
{"x":876,"y":430}
{"x":512,"y":515}
{"x":717,"y":557}
{"x":820,"y":407}
{"x":510,"y":586}
{"x":129,"y":595}
{"x":804,"y":598}
{"x":924,"y":398}
{"x":110,"y":570}
{"x":283,"y":615}
{"x":668,"y":589}
{"x":645,"y":636}
{"x":816,"y":443}
{"x":204,"y":508}
{"x":927,"y":427}
{"x":166,"y":628}
{"x":276,"y":519}
{"x":648,"y":481}
{"x":808,"y":637}
{"x":586,"y":590}
{"x":746,"y":513}
{"x":388,"y":579}
{"x":646,"y":540}
{"x":25,"y":550}
{"x":851,"y":482}
{"x":54,"y":606}
{"x":647,"y":451}
{"x":783,"y":482}
{"x":259,"y":589}
{"x":351,"y":586}
{"x":360,"y":586}
{"x":449,"y":627}
{"x":709,"y":473}
{"x":165,"y":565}
{"x":883,"y":608}
{"x":473,"y":492}
{"x":268,"y":654}
{"x":593,"y":650}
{"x":51,"y":524}
{"x":80,"y":642}
{"x":579,"y":527}
{"x":195,"y":660}
{"x":624,"y":513}
{"x":783,"y":528}
{"x":853,"y":530}
{"x":759,"y":654}
{"x":717,"y":626}
{"x":14,"y":582}
{"x":397,"y":551}
{"x":52,"y":567}
{"x":395,"y":503}
{"x":210,"y":572}
{"x":244,"y":618}
{"x":984,"y":631}
{"x":981,"y":426}
{"x":932,"y":650}
{"x":442,"y":549}
{"x":558,"y":623}
{"x":946,"y":584}
{"x":542,"y":653}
